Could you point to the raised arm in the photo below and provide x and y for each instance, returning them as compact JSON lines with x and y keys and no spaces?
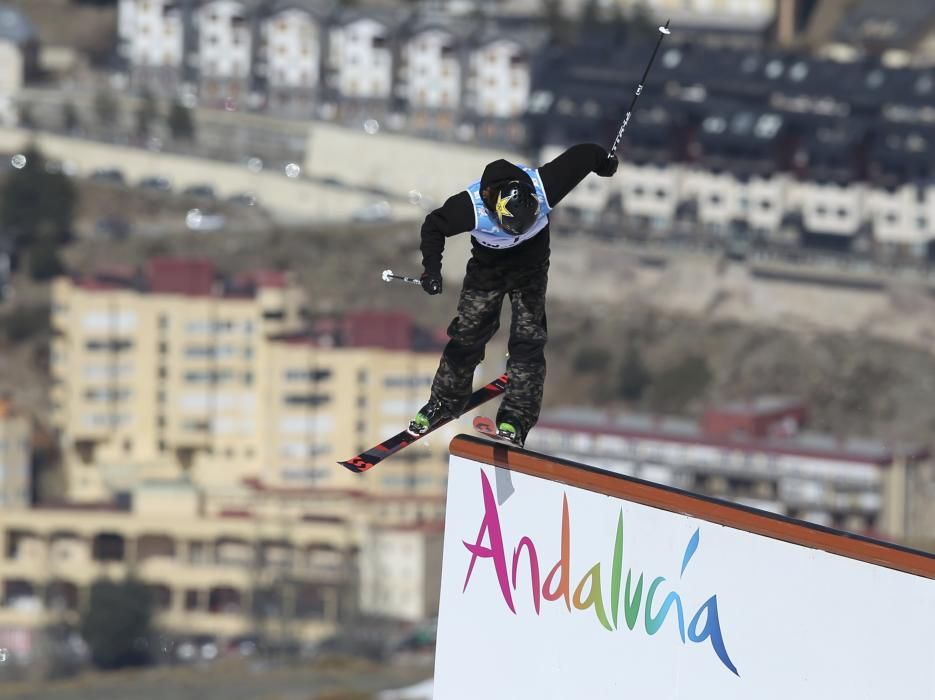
{"x":561,"y":175}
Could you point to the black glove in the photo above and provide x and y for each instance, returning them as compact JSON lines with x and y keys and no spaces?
{"x":608,"y":166}
{"x":431,"y":282}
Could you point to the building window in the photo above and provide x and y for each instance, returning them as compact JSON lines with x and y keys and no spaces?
{"x":306,"y":399}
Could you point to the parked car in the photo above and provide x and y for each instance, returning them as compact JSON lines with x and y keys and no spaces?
{"x":155,"y":183}
{"x":374,"y":213}
{"x":243,"y":199}
{"x":113,"y":227}
{"x":197,"y":220}
{"x":202,"y":191}
{"x":111,"y":176}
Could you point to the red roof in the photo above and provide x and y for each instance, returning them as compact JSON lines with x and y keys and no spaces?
{"x":392,"y":330}
{"x":185,"y":276}
{"x":269,"y":278}
{"x":188,"y":276}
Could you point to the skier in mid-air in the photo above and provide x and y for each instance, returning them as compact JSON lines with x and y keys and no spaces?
{"x":507,"y":213}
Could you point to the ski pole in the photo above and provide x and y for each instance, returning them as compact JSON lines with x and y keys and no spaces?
{"x":663,"y":31}
{"x":388,"y":276}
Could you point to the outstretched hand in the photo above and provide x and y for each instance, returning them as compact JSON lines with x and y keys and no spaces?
{"x":608,"y":166}
{"x":431,"y":283}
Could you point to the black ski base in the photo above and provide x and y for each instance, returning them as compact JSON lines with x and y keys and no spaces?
{"x":369,"y":459}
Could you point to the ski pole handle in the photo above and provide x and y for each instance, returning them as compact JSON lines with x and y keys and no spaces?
{"x":388,"y":276}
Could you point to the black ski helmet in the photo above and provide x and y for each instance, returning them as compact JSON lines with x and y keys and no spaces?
{"x":515,"y":206}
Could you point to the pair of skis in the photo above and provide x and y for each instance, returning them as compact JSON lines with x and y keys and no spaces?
{"x":370,"y":458}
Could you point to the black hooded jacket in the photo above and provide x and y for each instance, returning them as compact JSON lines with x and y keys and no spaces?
{"x":559,"y":177}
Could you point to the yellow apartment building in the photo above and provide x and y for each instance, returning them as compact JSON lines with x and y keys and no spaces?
{"x":269,"y":561}
{"x":222,"y":576}
{"x":169,"y":372}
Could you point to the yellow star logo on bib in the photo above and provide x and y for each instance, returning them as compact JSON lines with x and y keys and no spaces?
{"x":501,"y":206}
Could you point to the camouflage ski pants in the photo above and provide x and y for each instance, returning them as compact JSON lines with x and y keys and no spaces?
{"x":477,"y":321}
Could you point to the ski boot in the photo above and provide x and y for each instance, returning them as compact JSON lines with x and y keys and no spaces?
{"x":511,"y":430}
{"x":429,"y":416}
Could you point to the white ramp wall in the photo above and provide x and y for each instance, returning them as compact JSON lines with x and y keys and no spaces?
{"x":554,"y":590}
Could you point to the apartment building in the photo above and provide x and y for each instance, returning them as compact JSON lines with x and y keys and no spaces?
{"x":19,"y":53}
{"x":433,"y":79}
{"x":294,"y":50}
{"x":225,"y":51}
{"x":758,"y":453}
{"x":500,"y":80}
{"x":168,"y":372}
{"x":155,"y":37}
{"x":223,"y":574}
{"x":15,"y":458}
